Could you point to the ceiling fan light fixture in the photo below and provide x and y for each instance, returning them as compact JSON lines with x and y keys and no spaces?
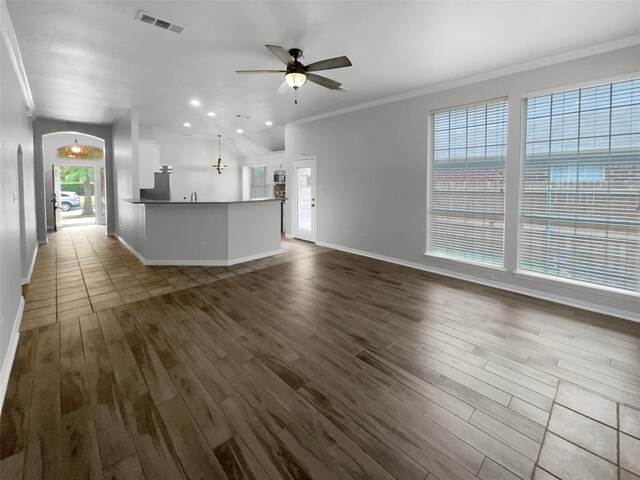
{"x":295,"y":79}
{"x":297,"y":74}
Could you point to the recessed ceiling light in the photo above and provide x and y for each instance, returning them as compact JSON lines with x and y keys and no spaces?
{"x":186,"y":124}
{"x":195,"y":102}
{"x":268,"y":123}
{"x":211,"y":114}
{"x":239,"y":130}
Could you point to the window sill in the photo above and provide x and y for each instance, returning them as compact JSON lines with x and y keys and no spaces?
{"x":577,"y":285}
{"x":493,"y":268}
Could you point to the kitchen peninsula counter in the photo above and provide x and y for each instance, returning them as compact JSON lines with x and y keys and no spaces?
{"x":207,"y":233}
{"x":187,"y":202}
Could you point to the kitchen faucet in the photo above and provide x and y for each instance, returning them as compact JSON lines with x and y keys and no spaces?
{"x":194,"y":195}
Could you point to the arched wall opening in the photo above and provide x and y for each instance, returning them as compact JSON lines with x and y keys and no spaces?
{"x":44,"y":126}
{"x":78,"y":181}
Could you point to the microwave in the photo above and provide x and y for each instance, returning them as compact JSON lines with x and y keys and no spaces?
{"x":279,"y":176}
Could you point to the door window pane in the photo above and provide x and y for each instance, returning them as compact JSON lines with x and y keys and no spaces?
{"x":303,"y":182}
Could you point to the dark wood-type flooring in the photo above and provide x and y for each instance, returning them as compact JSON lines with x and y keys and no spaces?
{"x":324,"y":366}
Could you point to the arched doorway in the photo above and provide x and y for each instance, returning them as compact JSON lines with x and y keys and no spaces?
{"x":74,"y":174}
{"x":43,"y":126}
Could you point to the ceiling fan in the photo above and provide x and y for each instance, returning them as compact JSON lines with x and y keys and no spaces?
{"x":297,"y":74}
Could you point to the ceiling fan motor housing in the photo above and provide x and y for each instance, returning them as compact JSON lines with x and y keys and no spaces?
{"x":295,"y":53}
{"x":296,"y":67}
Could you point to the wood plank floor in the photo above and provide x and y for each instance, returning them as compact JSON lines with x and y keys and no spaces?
{"x":82,"y":271}
{"x":324,"y":366}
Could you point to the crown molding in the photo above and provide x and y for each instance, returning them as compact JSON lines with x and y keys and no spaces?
{"x":503,"y":72}
{"x":11,"y":41}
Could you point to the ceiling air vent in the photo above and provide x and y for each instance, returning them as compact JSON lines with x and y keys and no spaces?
{"x":153,"y":20}
{"x":143,"y":17}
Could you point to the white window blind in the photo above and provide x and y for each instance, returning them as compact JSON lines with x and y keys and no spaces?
{"x":580,"y":196}
{"x":258,"y":179}
{"x":465,"y":218}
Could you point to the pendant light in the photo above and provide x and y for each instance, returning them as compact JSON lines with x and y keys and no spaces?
{"x":76,"y":148}
{"x":219,"y":166}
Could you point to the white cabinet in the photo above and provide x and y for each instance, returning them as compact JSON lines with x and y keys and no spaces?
{"x":149,"y":162}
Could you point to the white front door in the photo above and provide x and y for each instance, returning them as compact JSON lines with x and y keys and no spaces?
{"x":305,"y":214}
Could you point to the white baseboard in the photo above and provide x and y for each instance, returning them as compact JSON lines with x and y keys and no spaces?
{"x":214,"y":263}
{"x":199,"y":263}
{"x":288,"y":235}
{"x":130,"y":248}
{"x":257,"y":256}
{"x":7,"y":361}
{"x":502,"y":286}
{"x":27,"y":279}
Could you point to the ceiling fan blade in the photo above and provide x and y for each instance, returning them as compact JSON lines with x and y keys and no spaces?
{"x":323,"y":81}
{"x":328,"y":64}
{"x":283,"y":88}
{"x":260,"y":71}
{"x":281,"y":53}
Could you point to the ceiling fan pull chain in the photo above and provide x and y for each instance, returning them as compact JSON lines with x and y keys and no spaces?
{"x":295,"y":92}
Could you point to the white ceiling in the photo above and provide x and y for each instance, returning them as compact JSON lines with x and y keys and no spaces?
{"x":90,"y":61}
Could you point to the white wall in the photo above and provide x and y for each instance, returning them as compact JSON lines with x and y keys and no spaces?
{"x":129,"y":218}
{"x":28,"y":230}
{"x":372,"y":170}
{"x":273,"y":161}
{"x":50,"y":144}
{"x":262,"y":142}
{"x":192,"y":159}
{"x":16,"y":252}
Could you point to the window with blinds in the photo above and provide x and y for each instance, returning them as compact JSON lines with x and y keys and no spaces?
{"x":580,"y":194}
{"x":465,"y":218}
{"x":258,"y":181}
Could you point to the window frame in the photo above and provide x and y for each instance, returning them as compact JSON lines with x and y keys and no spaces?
{"x":251,"y":185}
{"x":429,"y":252}
{"x":518,"y":272}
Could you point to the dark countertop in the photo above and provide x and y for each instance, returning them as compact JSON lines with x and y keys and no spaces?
{"x":186,"y":202}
